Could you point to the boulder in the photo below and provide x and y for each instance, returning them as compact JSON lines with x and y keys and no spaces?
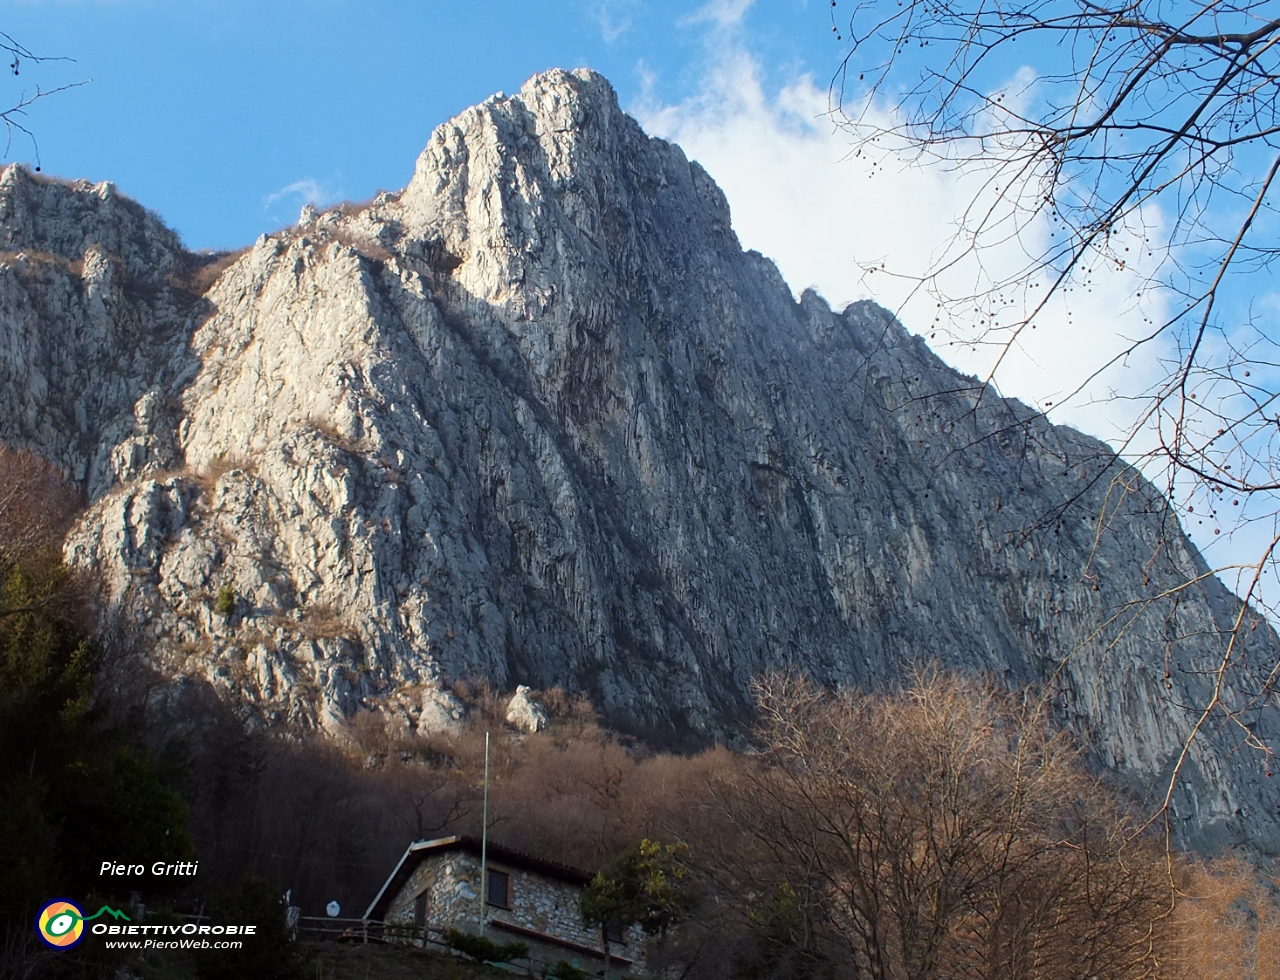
{"x":525,"y":713}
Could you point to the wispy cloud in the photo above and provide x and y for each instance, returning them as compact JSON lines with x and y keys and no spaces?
{"x":306,"y":190}
{"x":721,"y":13}
{"x":613,"y":17}
{"x":283,"y":205}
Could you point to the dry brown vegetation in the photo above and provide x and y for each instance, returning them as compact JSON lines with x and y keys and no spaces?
{"x":34,"y":259}
{"x":195,"y":272}
{"x":320,"y":622}
{"x":1226,"y":925}
{"x":367,"y":247}
{"x":943,"y":831}
{"x":202,"y":269}
{"x":331,"y":822}
{"x":947,"y":831}
{"x":331,"y":434}
{"x":323,"y":228}
{"x":37,"y":506}
{"x":207,"y":477}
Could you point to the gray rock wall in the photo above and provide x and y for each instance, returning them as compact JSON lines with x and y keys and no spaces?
{"x":539,"y":418}
{"x":536,"y":903}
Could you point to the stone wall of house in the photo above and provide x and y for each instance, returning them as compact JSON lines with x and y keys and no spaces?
{"x":538,"y":903}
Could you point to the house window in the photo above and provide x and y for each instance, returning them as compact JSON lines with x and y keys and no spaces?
{"x":614,"y":933}
{"x":420,"y":912}
{"x":499,"y":891}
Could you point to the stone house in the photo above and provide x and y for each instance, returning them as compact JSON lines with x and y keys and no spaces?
{"x":436,"y":886}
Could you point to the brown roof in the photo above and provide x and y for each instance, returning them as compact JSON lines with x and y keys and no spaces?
{"x":423,"y":849}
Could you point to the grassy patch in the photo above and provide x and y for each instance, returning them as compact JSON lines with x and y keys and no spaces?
{"x":343,"y":961}
{"x":357,"y":961}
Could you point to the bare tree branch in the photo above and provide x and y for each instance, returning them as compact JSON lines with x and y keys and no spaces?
{"x":1135,"y":108}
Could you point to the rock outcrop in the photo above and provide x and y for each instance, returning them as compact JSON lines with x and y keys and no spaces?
{"x":538,"y":418}
{"x":526,"y":714}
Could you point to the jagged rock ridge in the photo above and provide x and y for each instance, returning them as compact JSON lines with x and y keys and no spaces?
{"x":538,"y":418}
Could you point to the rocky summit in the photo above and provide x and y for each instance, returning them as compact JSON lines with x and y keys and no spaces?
{"x":539,"y":419}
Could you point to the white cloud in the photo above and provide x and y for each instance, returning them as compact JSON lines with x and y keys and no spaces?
{"x":613,"y":17}
{"x":825,"y":217}
{"x":307,"y":190}
{"x":722,"y":13}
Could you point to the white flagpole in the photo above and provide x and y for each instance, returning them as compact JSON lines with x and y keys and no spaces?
{"x":484,"y":837}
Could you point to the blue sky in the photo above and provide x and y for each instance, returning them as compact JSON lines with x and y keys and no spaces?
{"x":205,"y":109}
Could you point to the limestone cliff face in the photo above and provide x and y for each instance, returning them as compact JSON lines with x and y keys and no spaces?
{"x":538,"y":418}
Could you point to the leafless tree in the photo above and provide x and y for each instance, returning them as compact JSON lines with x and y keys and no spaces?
{"x":1140,"y":135}
{"x":14,"y":117}
{"x":945,"y":832}
{"x":37,"y":506}
{"x":435,"y":801}
{"x":1227,"y":926}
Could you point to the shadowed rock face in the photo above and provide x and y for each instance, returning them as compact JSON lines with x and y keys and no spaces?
{"x":538,"y":418}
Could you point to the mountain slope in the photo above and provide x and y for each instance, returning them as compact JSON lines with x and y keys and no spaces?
{"x":538,"y":418}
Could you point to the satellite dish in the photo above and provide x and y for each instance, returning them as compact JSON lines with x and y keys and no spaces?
{"x":333,"y":908}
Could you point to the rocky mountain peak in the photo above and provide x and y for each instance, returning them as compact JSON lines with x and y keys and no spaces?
{"x":69,"y":219}
{"x":539,"y":419}
{"x":524,"y":189}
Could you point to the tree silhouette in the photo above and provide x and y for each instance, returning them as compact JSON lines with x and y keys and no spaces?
{"x":13,"y":117}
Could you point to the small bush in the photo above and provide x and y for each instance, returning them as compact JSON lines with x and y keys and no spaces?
{"x":225,"y":604}
{"x":207,"y":476}
{"x":648,"y":885}
{"x":320,"y":622}
{"x":201,"y":271}
{"x":270,"y":954}
{"x":564,"y":970}
{"x":482,"y":949}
